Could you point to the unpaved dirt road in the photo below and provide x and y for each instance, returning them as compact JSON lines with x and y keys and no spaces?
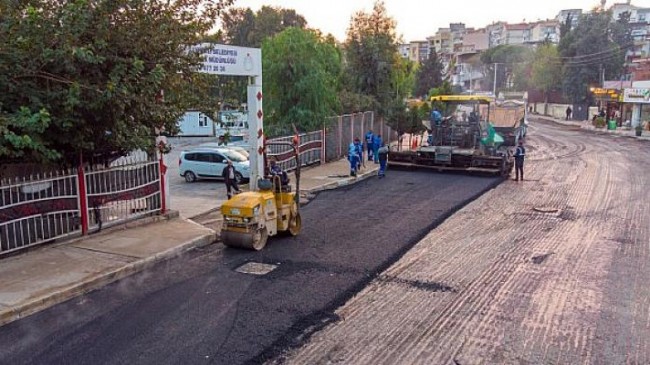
{"x":554,"y":270}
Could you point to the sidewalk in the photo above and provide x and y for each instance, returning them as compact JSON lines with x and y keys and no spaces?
{"x":622,"y":131}
{"x":41,"y":278}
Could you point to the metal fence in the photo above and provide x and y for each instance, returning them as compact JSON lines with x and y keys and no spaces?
{"x":310,"y":147}
{"x":123,"y":193}
{"x":344,"y":129}
{"x":40,"y":209}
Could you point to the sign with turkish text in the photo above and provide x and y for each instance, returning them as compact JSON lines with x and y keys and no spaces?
{"x":636,"y":95}
{"x":221,"y":59}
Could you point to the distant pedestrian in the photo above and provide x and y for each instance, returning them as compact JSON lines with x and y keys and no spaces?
{"x":359,"y":148}
{"x":520,"y":155}
{"x":568,"y":113}
{"x":353,"y":158}
{"x":383,"y":160}
{"x":229,"y":175}
{"x":369,"y":138}
{"x":376,"y":143}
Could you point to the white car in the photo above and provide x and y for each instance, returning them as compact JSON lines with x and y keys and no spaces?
{"x":208,"y":163}
{"x":241,"y":149}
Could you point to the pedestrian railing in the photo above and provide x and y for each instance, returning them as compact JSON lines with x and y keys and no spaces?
{"x":43,"y":208}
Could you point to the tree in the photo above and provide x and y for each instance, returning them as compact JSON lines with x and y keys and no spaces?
{"x":95,"y":78}
{"x":593,"y":50}
{"x":545,"y":70}
{"x":301,"y":79}
{"x":245,"y":28}
{"x":371,"y":55}
{"x":237,"y":25}
{"x":504,"y":59}
{"x":429,"y":76}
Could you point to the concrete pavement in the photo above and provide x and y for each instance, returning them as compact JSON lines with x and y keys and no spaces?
{"x":43,"y":277}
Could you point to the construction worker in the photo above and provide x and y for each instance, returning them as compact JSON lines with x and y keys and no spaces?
{"x":520,"y":155}
{"x":376,"y":143}
{"x":382,"y":153}
{"x":353,"y":157}
{"x":229,"y":175}
{"x":436,"y":117}
{"x":276,"y":170}
{"x":369,"y":146}
{"x":359,"y":147}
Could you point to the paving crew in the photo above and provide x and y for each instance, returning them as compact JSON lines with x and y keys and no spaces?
{"x":369,"y":146}
{"x":353,"y":157}
{"x":229,"y":175}
{"x":383,"y":160}
{"x":376,"y":143}
{"x":520,"y":155}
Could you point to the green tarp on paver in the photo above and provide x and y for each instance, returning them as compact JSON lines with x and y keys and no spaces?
{"x":493,"y":138}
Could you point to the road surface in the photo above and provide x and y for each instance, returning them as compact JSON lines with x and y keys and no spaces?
{"x":199,"y":309}
{"x":554,"y":270}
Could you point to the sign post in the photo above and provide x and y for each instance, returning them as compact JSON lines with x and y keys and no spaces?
{"x":241,"y":61}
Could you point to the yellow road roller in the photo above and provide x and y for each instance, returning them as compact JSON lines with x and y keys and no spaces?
{"x":250,"y":218}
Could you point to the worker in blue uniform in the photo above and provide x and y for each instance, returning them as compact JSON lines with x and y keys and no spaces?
{"x":520,"y":155}
{"x":376,"y":143}
{"x":359,"y":148}
{"x":383,"y":160}
{"x":353,"y":157}
{"x":369,"y":145}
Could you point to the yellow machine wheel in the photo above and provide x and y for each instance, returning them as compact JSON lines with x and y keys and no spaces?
{"x":250,"y":241}
{"x":295,"y":225}
{"x":259,"y":239}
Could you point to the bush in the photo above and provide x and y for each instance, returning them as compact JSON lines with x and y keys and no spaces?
{"x":599,"y":122}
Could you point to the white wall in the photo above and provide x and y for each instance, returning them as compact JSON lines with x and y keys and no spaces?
{"x":190,"y":126}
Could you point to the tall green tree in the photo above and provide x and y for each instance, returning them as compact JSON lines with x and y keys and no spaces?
{"x":504,"y":59}
{"x":371,"y":51}
{"x":545,"y":70}
{"x":429,"y":75}
{"x":95,"y":78}
{"x":301,"y":80}
{"x":594,"y":49}
{"x":246,"y":28}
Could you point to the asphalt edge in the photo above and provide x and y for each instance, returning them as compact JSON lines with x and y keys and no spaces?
{"x":341,"y":183}
{"x":305,"y":327}
{"x":100,"y":280}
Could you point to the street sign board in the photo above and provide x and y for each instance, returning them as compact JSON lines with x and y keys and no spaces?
{"x":222,"y":59}
{"x":637,"y":96}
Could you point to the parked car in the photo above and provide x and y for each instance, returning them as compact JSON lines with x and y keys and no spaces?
{"x":241,"y":149}
{"x":208,"y":163}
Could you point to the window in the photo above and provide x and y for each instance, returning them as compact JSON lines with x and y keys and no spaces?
{"x":203,"y":120}
{"x":190,"y":157}
{"x":217,"y":158}
{"x":204,"y":157}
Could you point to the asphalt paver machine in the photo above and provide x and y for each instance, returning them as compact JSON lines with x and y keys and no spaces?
{"x":461,"y":138}
{"x":250,"y":218}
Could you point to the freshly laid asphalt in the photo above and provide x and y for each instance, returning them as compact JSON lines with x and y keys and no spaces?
{"x":198,"y":309}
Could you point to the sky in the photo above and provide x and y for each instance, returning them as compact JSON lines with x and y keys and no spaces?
{"x":418,"y":19}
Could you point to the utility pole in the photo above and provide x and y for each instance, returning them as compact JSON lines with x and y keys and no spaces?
{"x":494,"y":89}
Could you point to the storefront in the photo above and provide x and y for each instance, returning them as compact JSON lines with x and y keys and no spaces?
{"x":639,"y":99}
{"x":609,"y":101}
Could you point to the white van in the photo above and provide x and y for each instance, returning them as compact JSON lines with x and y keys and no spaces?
{"x":208,"y":163}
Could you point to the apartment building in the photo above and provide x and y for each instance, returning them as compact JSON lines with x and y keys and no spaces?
{"x":476,"y":41}
{"x":544,"y":31}
{"x":574,"y":14}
